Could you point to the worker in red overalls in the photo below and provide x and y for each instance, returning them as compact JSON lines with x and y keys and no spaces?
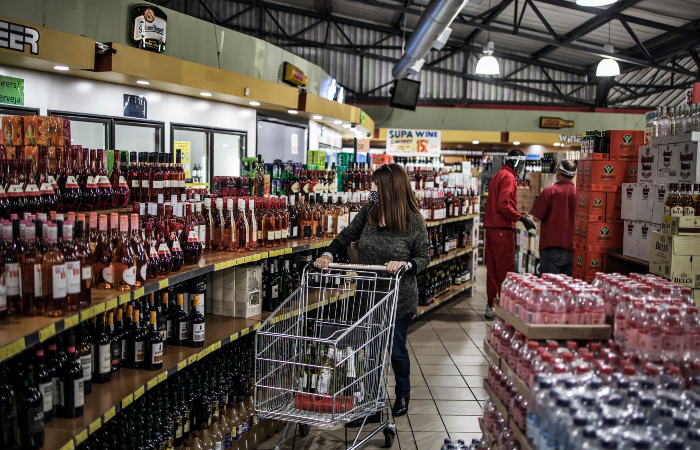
{"x":499,"y":221}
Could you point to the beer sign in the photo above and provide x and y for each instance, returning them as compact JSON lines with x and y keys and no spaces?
{"x":148,"y":25}
{"x":555,"y":123}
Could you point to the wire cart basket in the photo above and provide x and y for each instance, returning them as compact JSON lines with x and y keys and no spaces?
{"x":322,"y":357}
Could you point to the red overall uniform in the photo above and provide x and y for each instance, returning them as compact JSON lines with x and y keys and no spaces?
{"x":499,"y":222}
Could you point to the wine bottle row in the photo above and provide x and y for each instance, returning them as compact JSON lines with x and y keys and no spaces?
{"x":437,"y":280}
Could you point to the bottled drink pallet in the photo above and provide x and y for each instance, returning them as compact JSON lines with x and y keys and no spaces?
{"x":20,"y":332}
{"x":434,"y":223}
{"x":451,"y":293}
{"x":127,"y":385}
{"x":502,"y":363}
{"x":451,"y":254}
{"x":489,"y":437}
{"x":572,"y":332}
{"x":525,"y":443}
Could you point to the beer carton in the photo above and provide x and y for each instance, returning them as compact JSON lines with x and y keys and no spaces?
{"x":631,"y":172}
{"x":682,"y":226}
{"x":648,"y":164}
{"x":588,"y":263}
{"x":601,"y":235}
{"x":658,"y":199}
{"x":580,"y":175}
{"x":644,"y":243}
{"x":688,"y":163}
{"x":613,"y":206}
{"x":606,"y":175}
{"x":672,"y":258}
{"x":624,"y":144}
{"x":668,"y":163}
{"x":630,"y":238}
{"x":630,"y":199}
{"x":591,"y":205}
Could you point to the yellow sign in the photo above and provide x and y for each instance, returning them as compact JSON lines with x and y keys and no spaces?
{"x":185,"y":155}
{"x":294,"y":75}
{"x":556,"y":123}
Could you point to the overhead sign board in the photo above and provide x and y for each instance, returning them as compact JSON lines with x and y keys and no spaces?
{"x":14,"y":37}
{"x":413,"y":142}
{"x":148,"y":26}
{"x":135,"y":106}
{"x":555,"y":123}
{"x":293,"y":75}
{"x":11,"y":90}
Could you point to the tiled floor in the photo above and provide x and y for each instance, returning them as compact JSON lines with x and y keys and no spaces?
{"x":447,"y":371}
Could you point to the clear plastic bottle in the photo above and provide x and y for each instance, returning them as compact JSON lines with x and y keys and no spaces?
{"x":672,"y":333}
{"x":516,"y":343}
{"x":536,"y":306}
{"x":649,"y":338}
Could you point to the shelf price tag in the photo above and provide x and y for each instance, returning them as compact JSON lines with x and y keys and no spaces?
{"x":219,"y":266}
{"x":94,"y":426}
{"x":47,"y":332}
{"x":139,"y":293}
{"x":162,"y":377}
{"x":111,"y":413}
{"x":99,"y":308}
{"x":112,"y":303}
{"x":124,"y":298}
{"x":152,"y":383}
{"x":85,"y":315}
{"x":233,"y":337}
{"x":128,"y":400}
{"x":139,"y":392}
{"x":192,"y":359}
{"x":201,"y":354}
{"x":257,"y":325}
{"x":244,"y":332}
{"x":163,"y":283}
{"x":69,"y":446}
{"x":71,"y":321}
{"x":181,"y":365}
{"x":264,"y":255}
{"x":81,"y":437}
{"x":288,"y":251}
{"x":256,"y":257}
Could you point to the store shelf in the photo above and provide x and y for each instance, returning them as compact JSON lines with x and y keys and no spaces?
{"x":128,"y":385}
{"x":525,"y":443}
{"x":496,"y":401}
{"x":435,"y":223}
{"x":615,"y":261}
{"x":573,"y":332}
{"x":451,"y":293}
{"x":502,"y":363}
{"x":20,"y":332}
{"x":451,"y":255}
{"x":489,"y":437}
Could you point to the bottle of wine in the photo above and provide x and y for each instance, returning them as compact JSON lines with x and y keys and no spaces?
{"x":154,"y":345}
{"x":72,"y":389}
{"x":44,"y":381}
{"x":101,"y":353}
{"x":85,"y":354}
{"x":30,"y":413}
{"x":136,"y":343}
{"x":181,"y":324}
{"x":196,"y":321}
{"x":162,"y":317}
{"x":115,"y":342}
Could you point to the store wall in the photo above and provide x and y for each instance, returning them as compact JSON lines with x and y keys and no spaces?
{"x":48,"y":91}
{"x":478,"y":119}
{"x":187,"y":38}
{"x":318,"y":134}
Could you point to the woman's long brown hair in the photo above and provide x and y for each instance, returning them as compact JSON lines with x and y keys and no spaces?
{"x":396,"y":200}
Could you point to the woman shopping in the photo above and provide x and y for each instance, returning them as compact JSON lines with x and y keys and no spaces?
{"x":391,"y":232}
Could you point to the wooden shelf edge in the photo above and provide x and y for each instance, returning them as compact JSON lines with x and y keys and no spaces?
{"x":452,"y":254}
{"x":489,"y":437}
{"x":47,"y":327}
{"x":539,"y":332}
{"x":444,"y":298}
{"x":434,"y":223}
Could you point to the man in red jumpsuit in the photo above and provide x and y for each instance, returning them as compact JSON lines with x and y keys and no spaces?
{"x":499,"y":221}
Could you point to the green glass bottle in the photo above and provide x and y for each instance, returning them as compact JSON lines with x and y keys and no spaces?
{"x":30,"y":413}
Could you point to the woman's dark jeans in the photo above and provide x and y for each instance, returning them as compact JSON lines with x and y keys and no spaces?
{"x":400,"y":363}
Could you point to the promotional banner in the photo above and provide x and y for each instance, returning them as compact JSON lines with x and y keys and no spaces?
{"x":185,"y":149}
{"x":413,"y":142}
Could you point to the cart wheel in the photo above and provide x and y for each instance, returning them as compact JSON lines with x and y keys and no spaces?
{"x":388,"y":438}
{"x":304,"y":430}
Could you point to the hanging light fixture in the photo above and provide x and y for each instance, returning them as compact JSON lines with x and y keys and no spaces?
{"x":488,"y":64}
{"x":608,"y":67}
{"x":595,"y":2}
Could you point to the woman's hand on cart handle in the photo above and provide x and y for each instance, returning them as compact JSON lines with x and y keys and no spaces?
{"x":394,"y":266}
{"x":322,"y":262}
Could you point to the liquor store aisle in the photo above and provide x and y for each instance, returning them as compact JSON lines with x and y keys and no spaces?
{"x":448,"y":366}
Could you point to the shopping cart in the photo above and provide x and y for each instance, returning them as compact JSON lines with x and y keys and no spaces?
{"x":322,"y":357}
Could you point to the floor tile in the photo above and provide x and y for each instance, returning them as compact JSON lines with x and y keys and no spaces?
{"x":461,"y":424}
{"x":435,"y":351}
{"x":425,"y":343}
{"x":480,"y":370}
{"x":468,"y":360}
{"x":458,"y":343}
{"x":426,"y":422}
{"x":474,"y":381}
{"x":422,"y":407}
{"x":445,"y":381}
{"x":459,"y":408}
{"x":429,"y":440}
{"x":416,"y":378}
{"x":445,"y":393}
{"x":469,"y":351}
{"x":480,"y":393}
{"x":417,"y":393}
{"x":405,"y":441}
{"x":440,"y":369}
{"x":466,"y":437}
{"x":430,"y":359}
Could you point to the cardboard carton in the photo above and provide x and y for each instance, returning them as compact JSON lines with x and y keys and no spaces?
{"x":588,"y":263}
{"x":631,"y":172}
{"x":688,"y":163}
{"x":672,"y":258}
{"x":630,"y":238}
{"x":668,"y":163}
{"x":624,"y":144}
{"x":658,"y":198}
{"x":648,"y":164}
{"x":606,"y":175}
{"x":591,"y":205}
{"x":586,"y":174}
{"x":580,"y":175}
{"x":681,"y":226}
{"x":613,"y":206}
{"x":630,"y":198}
{"x":644,"y":243}
{"x":644,"y":203}
{"x":577,"y":232}
{"x":601,"y":235}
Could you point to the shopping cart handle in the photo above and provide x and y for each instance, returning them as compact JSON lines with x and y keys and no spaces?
{"x":357,"y":266}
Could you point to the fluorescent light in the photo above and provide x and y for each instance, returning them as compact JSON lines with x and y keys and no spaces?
{"x":475,"y":142}
{"x":595,"y":2}
{"x":337,"y":122}
{"x":60,"y":68}
{"x":516,"y":142}
{"x":142,"y":82}
{"x":608,"y":67}
{"x":254,"y":103}
{"x":487,"y":65}
{"x":557,"y":144}
{"x":318,"y":117}
{"x":291,"y":111}
{"x":205,"y":94}
{"x":347,"y":125}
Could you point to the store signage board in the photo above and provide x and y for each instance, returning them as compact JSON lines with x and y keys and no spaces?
{"x":413,"y":142}
{"x":293,"y":75}
{"x":295,"y":144}
{"x":11,"y":90}
{"x":148,"y":27}
{"x":185,"y":153}
{"x":135,"y":106}
{"x":363,"y":145}
{"x":14,"y":37}
{"x":570,"y":138}
{"x":555,"y":123}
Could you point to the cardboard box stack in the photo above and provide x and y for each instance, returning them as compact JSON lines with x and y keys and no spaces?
{"x":599,"y":181}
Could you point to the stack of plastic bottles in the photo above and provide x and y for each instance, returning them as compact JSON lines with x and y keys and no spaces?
{"x":461,"y":445}
{"x":552,"y":300}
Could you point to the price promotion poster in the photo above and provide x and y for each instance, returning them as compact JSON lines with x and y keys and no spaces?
{"x":185,"y":152}
{"x":402,"y":142}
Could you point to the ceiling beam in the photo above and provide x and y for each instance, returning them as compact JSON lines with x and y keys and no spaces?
{"x":650,"y":93}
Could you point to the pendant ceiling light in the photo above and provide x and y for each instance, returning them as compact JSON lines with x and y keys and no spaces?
{"x":608,"y":67}
{"x":595,"y":2}
{"x":488,"y":64}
